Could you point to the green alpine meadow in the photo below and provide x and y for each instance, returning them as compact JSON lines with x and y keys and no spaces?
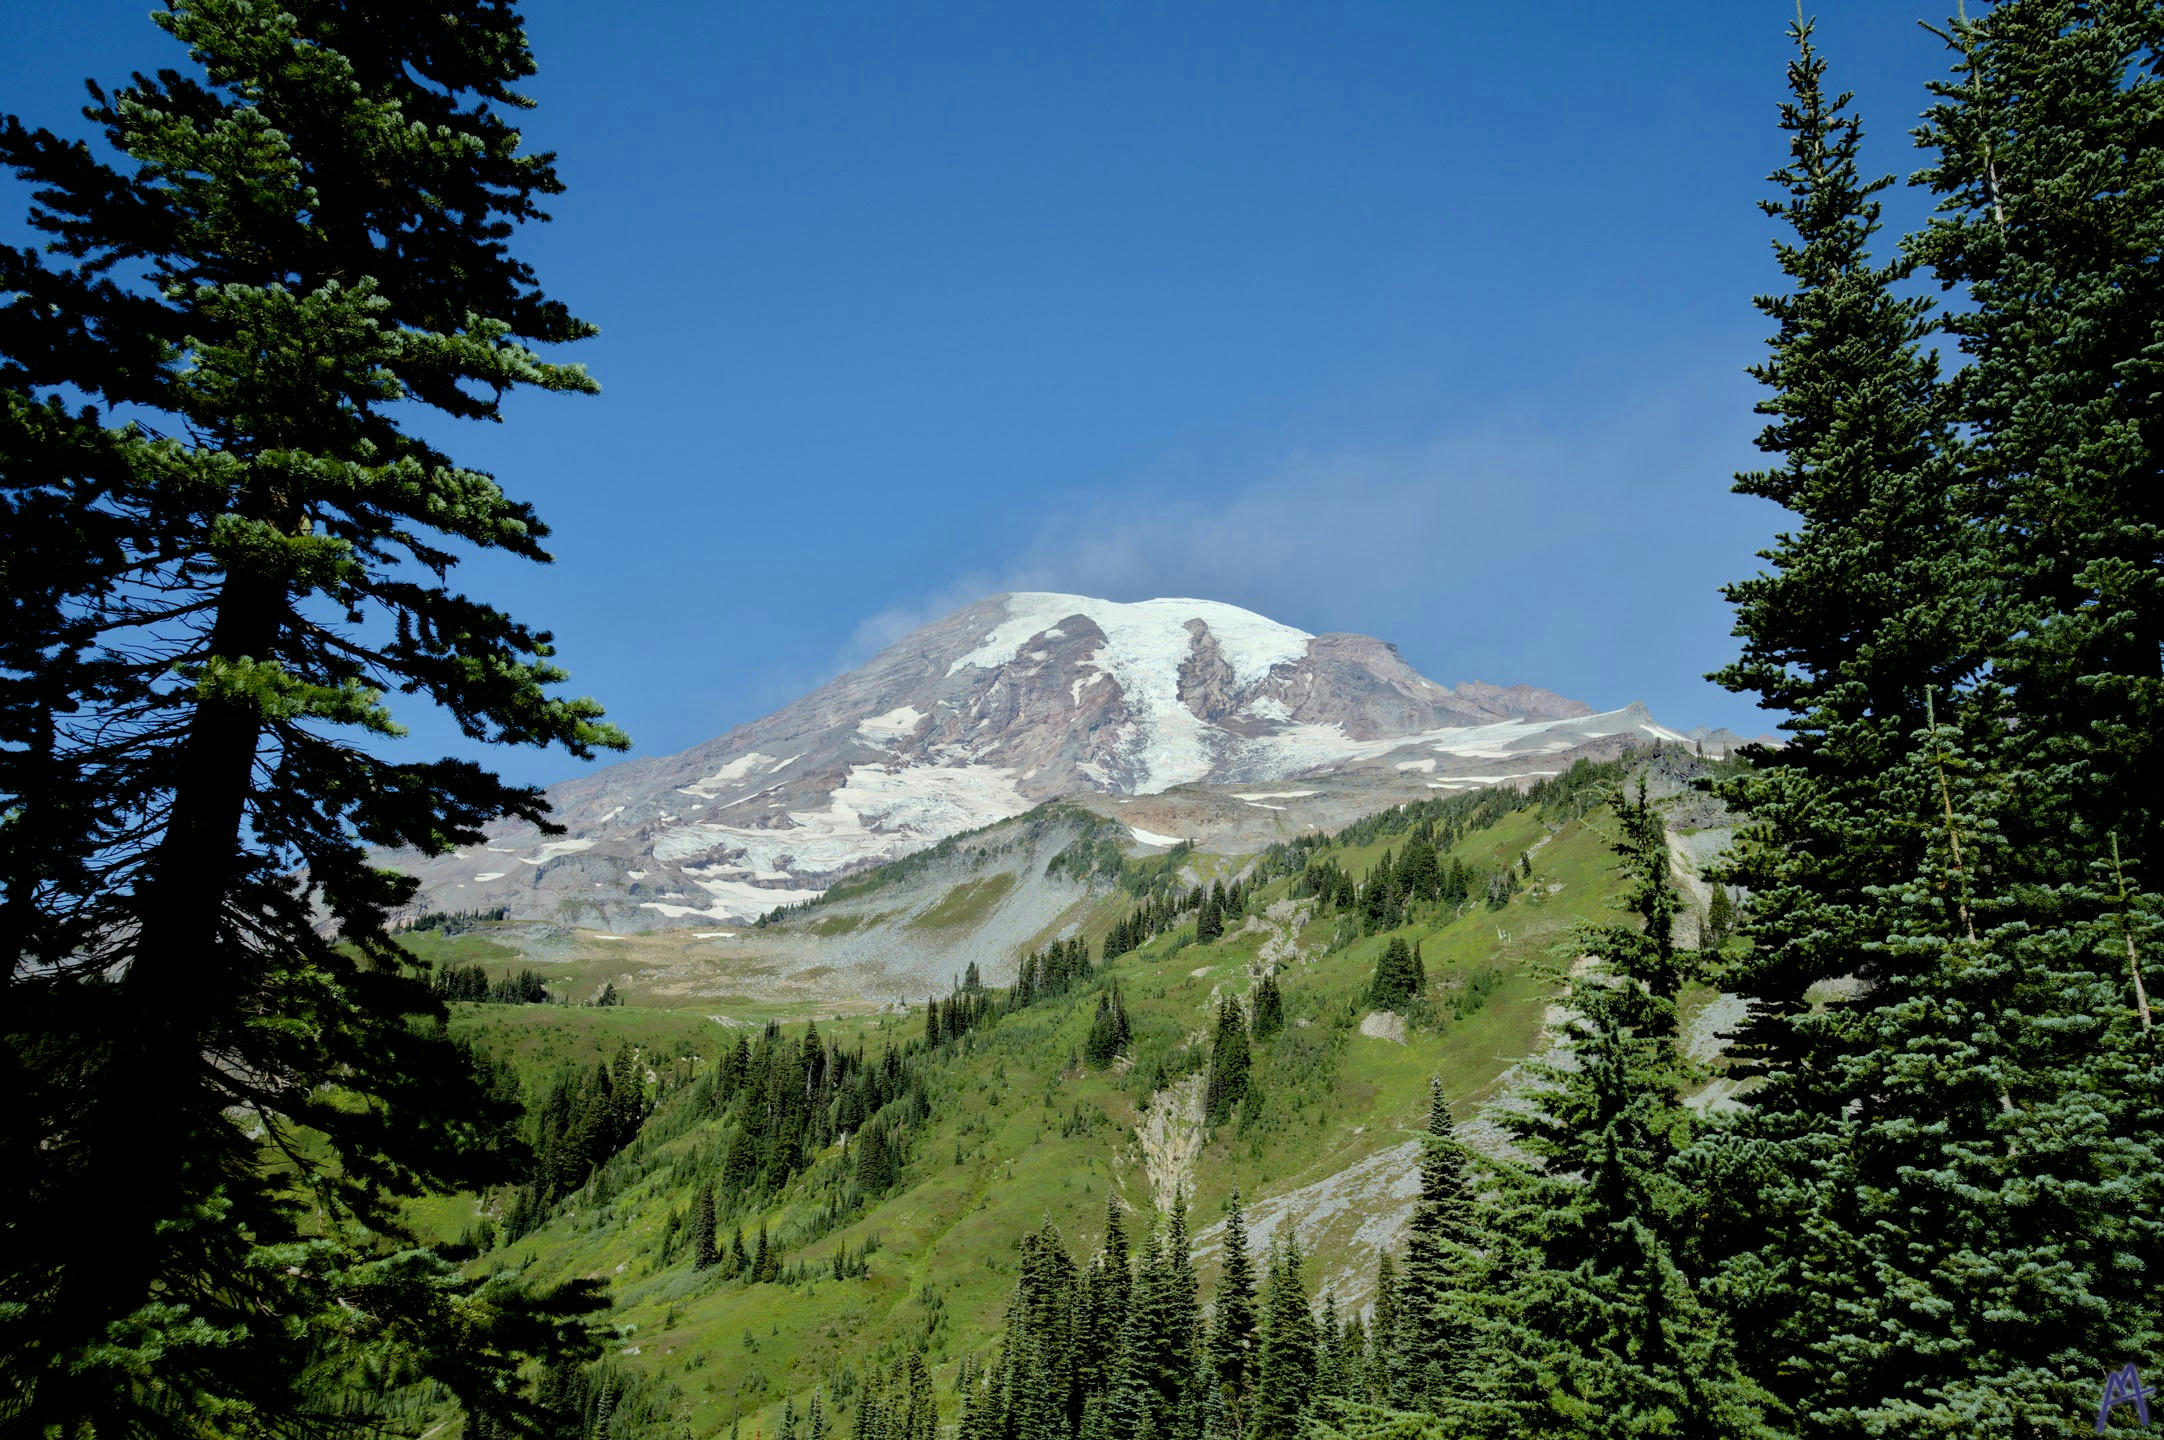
{"x":1063,"y":1015}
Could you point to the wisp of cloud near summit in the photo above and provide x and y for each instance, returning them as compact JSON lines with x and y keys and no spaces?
{"x":1475,"y":553}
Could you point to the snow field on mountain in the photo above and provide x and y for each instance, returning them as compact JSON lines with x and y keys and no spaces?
{"x":1146,"y":643}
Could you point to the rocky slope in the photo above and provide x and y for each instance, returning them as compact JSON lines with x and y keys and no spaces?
{"x":1013,"y":701}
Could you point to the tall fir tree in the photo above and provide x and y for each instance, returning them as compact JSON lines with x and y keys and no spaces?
{"x":1872,"y":596}
{"x":1435,"y":1333}
{"x":704,"y":1253}
{"x":1285,"y":1359}
{"x":1232,"y":1338}
{"x":1615,"y":1334}
{"x":2051,"y":221}
{"x":302,"y":243}
{"x":1269,"y":1008}
{"x":1227,"y":1083}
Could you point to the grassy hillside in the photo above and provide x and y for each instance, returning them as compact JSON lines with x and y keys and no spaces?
{"x":1019,"y":1131}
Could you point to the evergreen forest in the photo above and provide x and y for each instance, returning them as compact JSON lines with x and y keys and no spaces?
{"x":1487,"y":1114}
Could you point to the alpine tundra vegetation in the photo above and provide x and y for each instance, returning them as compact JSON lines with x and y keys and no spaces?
{"x":1087,"y":1019}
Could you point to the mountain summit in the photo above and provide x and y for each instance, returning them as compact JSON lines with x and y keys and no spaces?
{"x":1015,"y":700}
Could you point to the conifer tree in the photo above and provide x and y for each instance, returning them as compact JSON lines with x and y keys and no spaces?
{"x":1870,"y":598}
{"x":2051,"y":219}
{"x":1873,"y":595}
{"x":1331,"y":1381}
{"x":1435,"y":1332}
{"x":1396,"y":982}
{"x":1229,"y":1060}
{"x":1110,"y":1031}
{"x":1269,"y":1007}
{"x":1210,"y":915}
{"x":1177,"y":1327}
{"x":1616,"y":1335}
{"x":1384,"y":1339}
{"x":703,"y":1251}
{"x":1285,"y":1352}
{"x":1109,"y":1299}
{"x":302,"y":246}
{"x":1998,"y":1164}
{"x":1232,"y":1339}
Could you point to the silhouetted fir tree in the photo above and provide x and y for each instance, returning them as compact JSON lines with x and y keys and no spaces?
{"x":1232,"y":1338}
{"x":1269,"y":1007}
{"x":762,"y":1258}
{"x":1872,"y":597}
{"x":301,"y":249}
{"x":703,"y":1251}
{"x":1285,"y":1353}
{"x":740,"y":1261}
{"x":1226,"y":1085}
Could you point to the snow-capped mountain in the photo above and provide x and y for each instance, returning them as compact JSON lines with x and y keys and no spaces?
{"x":1013,"y":701}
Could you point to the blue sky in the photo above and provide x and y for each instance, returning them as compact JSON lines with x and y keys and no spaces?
{"x":1421,"y":320}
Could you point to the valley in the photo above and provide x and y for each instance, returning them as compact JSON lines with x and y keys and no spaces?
{"x":1007,"y":1128}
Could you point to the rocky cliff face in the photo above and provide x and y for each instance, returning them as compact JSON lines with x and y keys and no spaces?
{"x":1013,"y":701}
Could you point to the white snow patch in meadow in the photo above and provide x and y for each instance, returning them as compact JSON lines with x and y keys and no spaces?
{"x":713,"y":934}
{"x":896,"y":724}
{"x":678,"y":912}
{"x":1426,"y":767}
{"x":491,"y":875}
{"x":1145,"y":644}
{"x":1451,"y":780}
{"x":599,"y":936}
{"x":1151,"y":837}
{"x":1258,"y":805}
{"x":1276,"y":795}
{"x":555,"y":848}
{"x":636,"y":874}
{"x":610,"y":816}
{"x":728,"y":774}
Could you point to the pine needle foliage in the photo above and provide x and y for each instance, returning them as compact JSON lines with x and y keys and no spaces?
{"x":295,"y":246}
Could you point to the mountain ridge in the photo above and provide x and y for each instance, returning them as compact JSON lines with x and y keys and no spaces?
{"x":1007,"y":703}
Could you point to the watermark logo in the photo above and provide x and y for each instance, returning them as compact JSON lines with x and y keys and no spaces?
{"x":2119,"y":1388}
